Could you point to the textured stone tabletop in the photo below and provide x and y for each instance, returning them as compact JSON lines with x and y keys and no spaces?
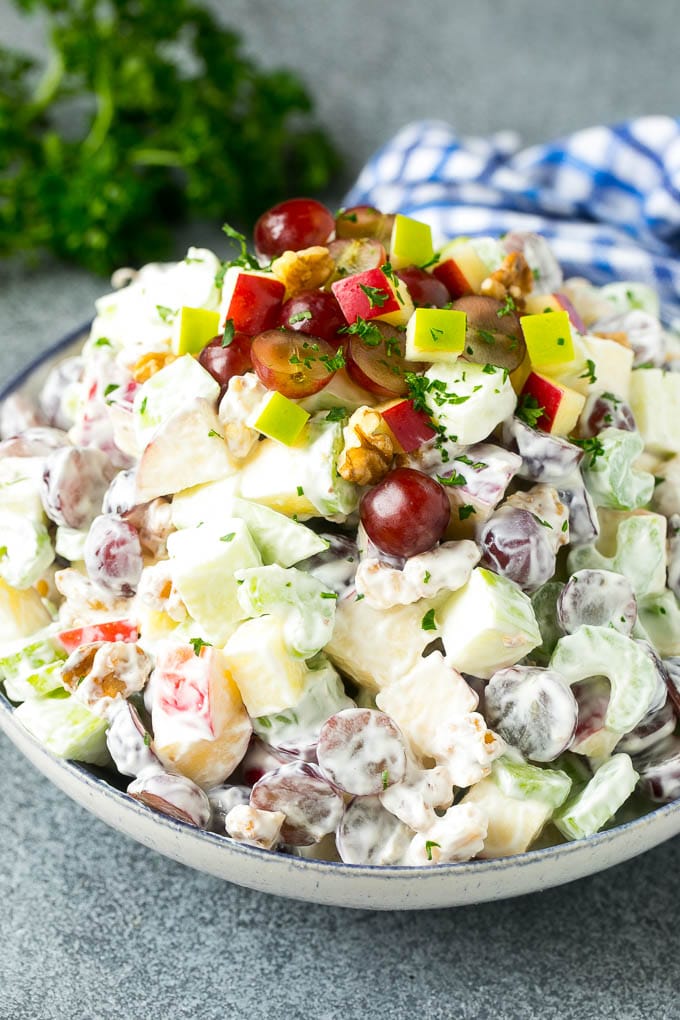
{"x":96,"y":927}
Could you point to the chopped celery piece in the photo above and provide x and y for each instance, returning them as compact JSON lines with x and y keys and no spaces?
{"x":66,"y":727}
{"x":588,"y":810}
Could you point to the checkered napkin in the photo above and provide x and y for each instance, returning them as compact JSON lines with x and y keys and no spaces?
{"x":608,"y":198}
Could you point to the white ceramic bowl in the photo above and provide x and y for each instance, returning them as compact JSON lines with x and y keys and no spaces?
{"x":378,"y":888}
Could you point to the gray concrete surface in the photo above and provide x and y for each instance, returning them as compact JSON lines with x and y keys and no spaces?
{"x":96,"y":927}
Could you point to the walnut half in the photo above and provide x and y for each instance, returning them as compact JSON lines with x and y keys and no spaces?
{"x":303,"y":270}
{"x":369,"y":448}
{"x":513,"y":278}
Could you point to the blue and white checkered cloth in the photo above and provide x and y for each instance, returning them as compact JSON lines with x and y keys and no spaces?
{"x":607,"y":198}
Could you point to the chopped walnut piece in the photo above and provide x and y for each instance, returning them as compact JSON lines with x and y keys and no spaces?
{"x":307,"y":269}
{"x":150,"y":363}
{"x":514,"y":278}
{"x":104,"y":671}
{"x":369,"y":448}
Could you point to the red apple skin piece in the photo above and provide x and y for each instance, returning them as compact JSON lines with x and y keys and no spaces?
{"x":575,"y":319}
{"x":410,"y":427}
{"x":256,"y":303}
{"x":111,"y":630}
{"x":450,"y":274}
{"x":550,"y":396}
{"x":355,"y":303}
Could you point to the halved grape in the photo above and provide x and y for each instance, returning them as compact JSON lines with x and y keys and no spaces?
{"x":315,"y":313}
{"x":292,"y":363}
{"x":361,"y":751}
{"x":516,"y":545}
{"x":291,"y":225}
{"x":225,"y":361}
{"x":603,"y":411}
{"x":364,"y":221}
{"x":172,"y":795}
{"x":406,"y":513}
{"x":659,"y":771}
{"x":311,"y":806}
{"x":73,"y":485}
{"x":533,"y":709}
{"x":425,"y":289}
{"x":113,"y":555}
{"x":375,"y":359}
{"x":356,"y":256}
{"x":599,"y":598}
{"x":369,"y":834}
{"x":493,"y":335}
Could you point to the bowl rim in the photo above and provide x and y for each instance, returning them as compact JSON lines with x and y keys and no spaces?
{"x":132,"y":807}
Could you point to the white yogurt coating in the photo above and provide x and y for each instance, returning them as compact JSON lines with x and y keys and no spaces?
{"x":304,"y":690}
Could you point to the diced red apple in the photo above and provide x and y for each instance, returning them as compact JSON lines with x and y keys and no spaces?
{"x":110,"y":630}
{"x":409,"y":426}
{"x":561,"y":405}
{"x":201,"y":728}
{"x":252,"y":300}
{"x":373,"y":295}
{"x":460,"y":269}
{"x":187,"y":450}
{"x":557,"y":302}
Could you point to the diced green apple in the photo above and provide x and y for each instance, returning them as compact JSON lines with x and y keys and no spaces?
{"x":269,"y":679}
{"x":187,"y":450}
{"x":487,"y":625}
{"x":468,"y":401}
{"x":209,"y":503}
{"x":169,"y":391}
{"x":411,"y":242}
{"x":435,"y":334}
{"x":548,"y":339}
{"x":655,"y":402}
{"x":279,"y":539}
{"x":323,"y":696}
{"x":193,"y":328}
{"x":281,"y":419}
{"x":627,"y":295}
{"x":203,"y":563}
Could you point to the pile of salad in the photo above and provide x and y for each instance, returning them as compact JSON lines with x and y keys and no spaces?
{"x":355,"y":548}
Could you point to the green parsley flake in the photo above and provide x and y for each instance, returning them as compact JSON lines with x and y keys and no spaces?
{"x":228,"y":538}
{"x":427,"y":622}
{"x":300,"y":491}
{"x":385,"y":779}
{"x":197,"y":643}
{"x":589,"y":372}
{"x":529,"y":410}
{"x":228,"y":334}
{"x":435,"y":334}
{"x":465,"y":511}
{"x":329,"y":595}
{"x":377,"y":297}
{"x":213,"y":434}
{"x":147,"y":740}
{"x":300,"y":317}
{"x":456,"y":478}
{"x":110,"y":388}
{"x":165,"y":313}
{"x":142,"y":406}
{"x":426,"y":577}
{"x":428,"y":847}
{"x":103,"y":341}
{"x":336,"y":414}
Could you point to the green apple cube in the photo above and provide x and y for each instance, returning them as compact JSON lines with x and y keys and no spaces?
{"x":209,"y":503}
{"x":655,"y":402}
{"x":169,"y":391}
{"x":25,"y":550}
{"x":602,"y":651}
{"x":435,"y":334}
{"x":548,"y":339}
{"x":305,"y":607}
{"x":322,"y":697}
{"x":411,"y":242}
{"x":279,"y":539}
{"x":467,"y":401}
{"x":659,"y":621}
{"x":587,"y":811}
{"x":269,"y":679}
{"x":193,"y":328}
{"x":66,"y":727}
{"x":639,"y":552}
{"x":203,"y":563}
{"x":302,"y":478}
{"x":519,"y":800}
{"x":33,"y":666}
{"x":487,"y":625}
{"x":610,"y":475}
{"x":281,"y":419}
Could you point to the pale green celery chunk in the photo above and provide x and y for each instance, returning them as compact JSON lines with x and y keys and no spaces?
{"x":323,"y":696}
{"x":544,"y":602}
{"x":279,"y":539}
{"x":610,"y":477}
{"x":588,"y":810}
{"x":522,"y":781}
{"x":602,"y":651}
{"x":66,"y":727}
{"x":640,"y":554}
{"x":659,"y":621}
{"x":33,"y":666}
{"x":305,"y":606}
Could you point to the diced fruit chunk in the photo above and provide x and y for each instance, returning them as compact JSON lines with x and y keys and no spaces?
{"x":655,"y":402}
{"x":411,"y":242}
{"x":269,"y":679}
{"x":252,"y":300}
{"x":461,"y":269}
{"x":21,"y":612}
{"x":548,"y":339}
{"x":373,"y":295}
{"x":410,"y":427}
{"x":168,"y":392}
{"x":193,"y":329}
{"x":200,"y":726}
{"x":435,"y":334}
{"x":281,"y":419}
{"x":66,"y":727}
{"x":561,"y":406}
{"x":109,"y":630}
{"x":586,"y":813}
{"x":468,"y":400}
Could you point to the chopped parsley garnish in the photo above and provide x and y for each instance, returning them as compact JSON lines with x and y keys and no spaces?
{"x":429,"y":843}
{"x":435,"y":334}
{"x":612,"y":398}
{"x":529,"y":410}
{"x":478,"y":465}
{"x":300,"y":491}
{"x":359,"y":597}
{"x":300,"y":317}
{"x":546,"y":524}
{"x":430,"y":262}
{"x":465,"y":511}
{"x":197,"y":643}
{"x":561,"y":341}
{"x":565,"y":525}
{"x":632,"y":300}
{"x":486,"y":335}
{"x":426,"y":577}
{"x":350,"y":217}
{"x":490,"y":369}
{"x":507,"y":307}
{"x":147,"y":740}
{"x":228,"y":334}
{"x":329,"y":595}
{"x":385,"y":779}
{"x":377,"y":297}
{"x":367,"y":331}
{"x":336,"y":414}
{"x":103,"y":341}
{"x":228,"y":538}
{"x":536,"y":273}
{"x":213,"y":434}
{"x":592,"y":447}
{"x":427,"y":622}
{"x":454,"y":479}
{"x":335,"y":363}
{"x":589,"y":372}
{"x":165,"y":313}
{"x":244,"y":258}
{"x":110,"y":388}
